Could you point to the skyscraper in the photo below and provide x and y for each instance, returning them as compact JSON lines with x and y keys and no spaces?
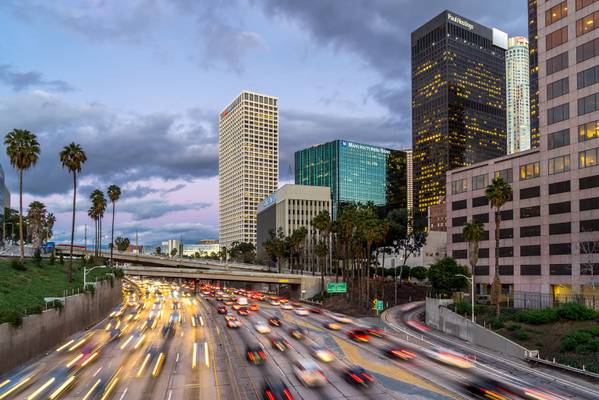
{"x":533,"y":48}
{"x":458,"y":100}
{"x":248,"y":163}
{"x":410,"y":179}
{"x":517,"y":95}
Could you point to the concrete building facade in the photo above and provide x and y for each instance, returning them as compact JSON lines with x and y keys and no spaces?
{"x":248,"y":163}
{"x":517,"y":95}
{"x":549,"y":238}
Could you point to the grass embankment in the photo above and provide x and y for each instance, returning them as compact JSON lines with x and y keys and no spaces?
{"x":569,"y":333}
{"x":22,"y":290}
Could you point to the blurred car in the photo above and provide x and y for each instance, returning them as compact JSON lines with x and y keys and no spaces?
{"x":254,"y":307}
{"x":280,"y":344}
{"x":332,"y":325}
{"x":376,"y":332}
{"x":274,"y":321}
{"x":417,"y":325}
{"x":308,"y":373}
{"x":233,"y":324}
{"x":286,"y":306}
{"x":450,"y":357}
{"x":315,"y":310}
{"x":324,"y":355}
{"x":236,"y":306}
{"x":341,"y":318}
{"x":275,"y":389}
{"x":274,"y":303}
{"x":283,"y":301}
{"x":301,"y":311}
{"x":357,"y":376}
{"x":229,"y":316}
{"x":262,"y":328}
{"x":229,"y":303}
{"x":243,"y":311}
{"x":297,"y":333}
{"x":358,"y":335}
{"x":221,"y":310}
{"x":398,"y":352}
{"x":255,"y":354}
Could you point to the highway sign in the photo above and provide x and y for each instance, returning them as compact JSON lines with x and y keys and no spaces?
{"x":379,"y":305}
{"x":336,"y":287}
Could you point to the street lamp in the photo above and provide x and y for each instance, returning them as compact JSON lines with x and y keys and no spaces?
{"x":471,"y":293}
{"x":85,"y":271}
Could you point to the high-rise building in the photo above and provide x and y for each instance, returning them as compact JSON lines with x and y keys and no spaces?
{"x":458,"y":100}
{"x":356,"y":173}
{"x":533,"y":46}
{"x":517,"y":95}
{"x":248,"y":163}
{"x":549,"y":237}
{"x":410,"y":179}
{"x":4,"y":192}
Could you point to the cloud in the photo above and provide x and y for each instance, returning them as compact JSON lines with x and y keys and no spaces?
{"x":143,"y":191}
{"x":23,"y":80}
{"x":154,"y":208}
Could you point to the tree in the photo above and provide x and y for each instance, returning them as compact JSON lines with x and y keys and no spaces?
{"x":99,"y":205}
{"x":122,"y":243}
{"x":473,"y":233}
{"x":23,"y":150}
{"x":36,"y":215}
{"x":419,"y":273}
{"x":158,"y":250}
{"x":50,"y":221}
{"x":498,"y":192}
{"x":323,"y":225}
{"x":72,"y":157}
{"x":114,"y":194}
{"x":173,"y":252}
{"x":296,"y":241}
{"x":444,"y":279}
{"x":410,"y":246}
{"x":321,"y":250}
{"x":243,"y":252}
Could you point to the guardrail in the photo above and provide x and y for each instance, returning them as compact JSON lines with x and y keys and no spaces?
{"x":554,"y":364}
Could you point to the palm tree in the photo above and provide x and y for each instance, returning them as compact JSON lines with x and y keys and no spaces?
{"x":36,"y":215}
{"x":321,"y":250}
{"x":23,"y":151}
{"x":72,"y":157}
{"x":114,"y":194}
{"x":473,"y":233}
{"x":498,"y":192}
{"x":99,"y":206}
{"x":50,"y":221}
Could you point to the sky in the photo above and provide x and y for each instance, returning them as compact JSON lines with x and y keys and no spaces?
{"x":139,"y":85}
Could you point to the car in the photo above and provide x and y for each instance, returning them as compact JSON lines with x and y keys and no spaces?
{"x":332,"y":325}
{"x":255,"y":354}
{"x":315,"y":310}
{"x":308,"y":373}
{"x":301,"y":311}
{"x":322,"y":354}
{"x":221,"y":310}
{"x":280,"y":344}
{"x":274,"y":303}
{"x":275,"y":389}
{"x":243,"y":311}
{"x":358,"y":335}
{"x":357,"y":376}
{"x":230,"y":316}
{"x":399,"y":352}
{"x":376,"y":332}
{"x":341,"y":318}
{"x":287,"y":307}
{"x":297,"y":333}
{"x":236,"y":306}
{"x":233,"y":324}
{"x":417,"y":325}
{"x":254,"y":307}
{"x":262,"y":328}
{"x":450,"y":357}
{"x":283,"y":301}
{"x":228,"y":303}
{"x":274,"y":321}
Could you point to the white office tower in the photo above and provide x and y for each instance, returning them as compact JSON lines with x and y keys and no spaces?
{"x":517,"y":92}
{"x":410,"y":179}
{"x":248,"y":163}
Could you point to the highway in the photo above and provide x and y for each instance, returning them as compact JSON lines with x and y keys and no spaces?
{"x":167,"y":342}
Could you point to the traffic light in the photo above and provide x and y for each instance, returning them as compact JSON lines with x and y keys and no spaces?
{"x":373,"y":304}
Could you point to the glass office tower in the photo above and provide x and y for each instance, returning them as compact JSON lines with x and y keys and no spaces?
{"x":458,"y":100}
{"x":533,"y":49}
{"x":355,"y":173}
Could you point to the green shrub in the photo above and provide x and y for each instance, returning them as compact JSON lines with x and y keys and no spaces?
{"x":61,"y":259}
{"x":91,"y":288}
{"x":37,"y":258}
{"x":51,"y":259}
{"x":594,"y":330}
{"x":568,"y":344}
{"x":521,"y":334}
{"x":514,"y":327}
{"x":17,"y":265}
{"x":536,"y":317}
{"x":463,"y":307}
{"x":119,"y":273}
{"x":13,"y":317}
{"x":37,"y":309}
{"x":497,"y":323}
{"x":576,"y":312}
{"x":508,"y":312}
{"x":582,"y":336}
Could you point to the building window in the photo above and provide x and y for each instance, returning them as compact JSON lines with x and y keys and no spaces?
{"x":483,"y":253}
{"x":459,"y":254}
{"x":589,"y":269}
{"x":589,"y":225}
{"x":589,"y":247}
{"x":506,"y":251}
{"x":480,"y":201}
{"x":588,"y":131}
{"x":588,"y":104}
{"x":557,"y":88}
{"x":587,"y":50}
{"x":506,"y":215}
{"x":560,"y":269}
{"x":559,"y":187}
{"x":560,"y":164}
{"x":589,"y":204}
{"x":530,"y":231}
{"x":588,"y":182}
{"x":588,"y":158}
{"x":556,"y":249}
{"x":558,"y":113}
{"x":559,"y":208}
{"x":459,"y":205}
{"x":506,"y":233}
{"x":506,"y":270}
{"x":530,"y":171}
{"x":558,"y":139}
{"x":580,"y":4}
{"x":556,"y":13}
{"x":505,"y":174}
{"x":529,"y":193}
{"x":481,"y":270}
{"x":587,"y":24}
{"x":457,"y":238}
{"x":556,"y":38}
{"x":458,"y":221}
{"x":557,"y":63}
{"x":530,"y":251}
{"x":530,"y":212}
{"x":587,"y":77}
{"x":459,"y":186}
{"x":483,"y":218}
{"x":530,"y":269}
{"x":560,"y":228}
{"x":480,"y":181}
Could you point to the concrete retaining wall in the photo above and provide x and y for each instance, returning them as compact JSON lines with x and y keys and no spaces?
{"x":41,"y":332}
{"x":441,"y":318}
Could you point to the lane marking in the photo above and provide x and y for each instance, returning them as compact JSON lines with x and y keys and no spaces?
{"x":124,"y":393}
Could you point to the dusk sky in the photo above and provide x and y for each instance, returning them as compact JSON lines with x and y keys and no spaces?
{"x":139,"y":84}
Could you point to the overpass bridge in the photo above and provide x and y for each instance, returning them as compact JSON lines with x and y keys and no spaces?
{"x":308,"y":285}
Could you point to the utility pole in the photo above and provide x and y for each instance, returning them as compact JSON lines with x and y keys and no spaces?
{"x":85,"y":241}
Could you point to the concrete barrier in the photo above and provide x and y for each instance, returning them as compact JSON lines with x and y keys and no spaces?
{"x":441,"y":318}
{"x":41,"y":332}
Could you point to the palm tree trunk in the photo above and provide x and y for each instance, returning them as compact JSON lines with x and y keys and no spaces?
{"x":112,"y":234}
{"x":368,"y":245}
{"x":70,"y":270}
{"x":497,"y":223}
{"x":21,"y":216}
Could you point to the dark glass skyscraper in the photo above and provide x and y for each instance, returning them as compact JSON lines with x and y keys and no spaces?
{"x":356,"y":173}
{"x":533,"y":49}
{"x":458,"y":100}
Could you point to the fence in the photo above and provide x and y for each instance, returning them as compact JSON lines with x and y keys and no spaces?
{"x":549,"y":300}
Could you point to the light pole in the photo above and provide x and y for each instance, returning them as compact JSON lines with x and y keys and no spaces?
{"x":471,"y":293}
{"x":395,"y":273}
{"x":85,"y":271}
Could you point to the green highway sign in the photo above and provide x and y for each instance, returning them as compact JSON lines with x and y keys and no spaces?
{"x":336,"y":287}
{"x":379,"y":305}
